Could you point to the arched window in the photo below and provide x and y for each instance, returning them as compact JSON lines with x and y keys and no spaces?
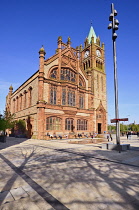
{"x":14,"y":105}
{"x":53,"y":74}
{"x":25,"y":99}
{"x":20,"y":104}
{"x":67,"y":74}
{"x":68,"y":124}
{"x":17,"y":105}
{"x":96,"y":63}
{"x":81,"y":124}
{"x":81,"y":101}
{"x":88,"y":63}
{"x":71,"y":97}
{"x":81,"y":81}
{"x":53,"y":123}
{"x":30,"y":96}
{"x":53,"y":95}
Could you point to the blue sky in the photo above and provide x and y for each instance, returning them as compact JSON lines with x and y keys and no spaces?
{"x":26,"y":25}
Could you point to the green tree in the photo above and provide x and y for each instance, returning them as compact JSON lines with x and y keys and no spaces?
{"x":20,"y":126}
{"x":6,"y":121}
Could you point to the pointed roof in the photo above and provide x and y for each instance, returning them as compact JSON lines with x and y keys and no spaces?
{"x":91,"y":33}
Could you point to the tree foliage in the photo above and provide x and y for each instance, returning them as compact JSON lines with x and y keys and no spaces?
{"x":124,"y":128}
{"x":6,"y":121}
{"x":20,"y":126}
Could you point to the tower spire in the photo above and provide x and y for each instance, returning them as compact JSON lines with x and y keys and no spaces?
{"x":91,"y":33}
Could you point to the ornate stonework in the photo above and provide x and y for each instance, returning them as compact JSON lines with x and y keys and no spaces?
{"x":68,"y":92}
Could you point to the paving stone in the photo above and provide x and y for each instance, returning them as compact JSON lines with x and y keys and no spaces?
{"x":14,"y":205}
{"x":5,"y":197}
{"x":28,"y":204}
{"x":18,"y":193}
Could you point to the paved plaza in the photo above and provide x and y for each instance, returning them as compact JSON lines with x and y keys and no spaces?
{"x":56,"y":174}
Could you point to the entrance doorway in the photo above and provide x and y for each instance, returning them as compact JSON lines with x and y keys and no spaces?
{"x":99,"y":128}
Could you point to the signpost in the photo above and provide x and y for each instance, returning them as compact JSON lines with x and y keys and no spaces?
{"x":117,"y":120}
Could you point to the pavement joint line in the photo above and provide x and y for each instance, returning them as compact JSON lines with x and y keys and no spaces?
{"x":56,"y":204}
{"x":89,"y":156}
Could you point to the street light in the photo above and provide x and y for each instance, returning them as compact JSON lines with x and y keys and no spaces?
{"x":114,"y":26}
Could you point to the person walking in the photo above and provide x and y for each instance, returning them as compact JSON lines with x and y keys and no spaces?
{"x":108,"y":136}
{"x":111,"y":137}
{"x":127,"y":135}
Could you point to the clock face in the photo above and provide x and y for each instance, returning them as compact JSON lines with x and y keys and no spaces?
{"x":98,"y":53}
{"x":86,"y":53}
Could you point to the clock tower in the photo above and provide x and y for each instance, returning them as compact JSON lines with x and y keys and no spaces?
{"x":93,"y":65}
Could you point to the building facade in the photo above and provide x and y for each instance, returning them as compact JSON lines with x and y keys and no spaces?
{"x":67,"y":95}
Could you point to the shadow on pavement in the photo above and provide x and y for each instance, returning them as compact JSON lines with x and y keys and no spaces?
{"x":11,"y":141}
{"x":77,"y":179}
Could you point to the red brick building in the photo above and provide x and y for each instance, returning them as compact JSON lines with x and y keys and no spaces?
{"x":67,"y":95}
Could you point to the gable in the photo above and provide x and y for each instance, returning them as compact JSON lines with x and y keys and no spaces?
{"x":69,"y":59}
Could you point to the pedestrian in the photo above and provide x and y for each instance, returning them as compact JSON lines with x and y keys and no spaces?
{"x":111,"y":137}
{"x":127,"y":135}
{"x":108,"y":136}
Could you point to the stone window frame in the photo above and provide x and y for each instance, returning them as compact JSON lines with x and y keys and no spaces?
{"x":81,"y":100}
{"x":53,"y":73}
{"x":30,"y":96}
{"x":21,"y":101}
{"x":69,"y":124}
{"x":67,"y":74}
{"x":25,"y":99}
{"x":53,"y":123}
{"x":71,"y":98}
{"x":81,"y":81}
{"x":82,"y":124}
{"x":53,"y":94}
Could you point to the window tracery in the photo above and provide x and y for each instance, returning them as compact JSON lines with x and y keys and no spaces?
{"x":53,"y":74}
{"x":53,"y":123}
{"x":67,"y":74}
{"x":68,"y":124}
{"x":81,"y":124}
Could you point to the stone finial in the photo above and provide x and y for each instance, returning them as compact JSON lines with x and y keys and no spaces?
{"x":81,"y":47}
{"x":11,"y":88}
{"x":59,"y":38}
{"x":42,"y":50}
{"x":56,"y":51}
{"x":77,"y":48}
{"x":86,"y":42}
{"x":69,"y":41}
{"x":103,"y":45}
{"x":98,"y":41}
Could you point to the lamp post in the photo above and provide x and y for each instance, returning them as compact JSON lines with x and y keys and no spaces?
{"x":114,"y":26}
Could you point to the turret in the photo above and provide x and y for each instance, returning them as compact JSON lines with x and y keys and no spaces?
{"x":68,"y":42}
{"x":11,"y":89}
{"x":41,"y":72}
{"x":59,"y":42}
